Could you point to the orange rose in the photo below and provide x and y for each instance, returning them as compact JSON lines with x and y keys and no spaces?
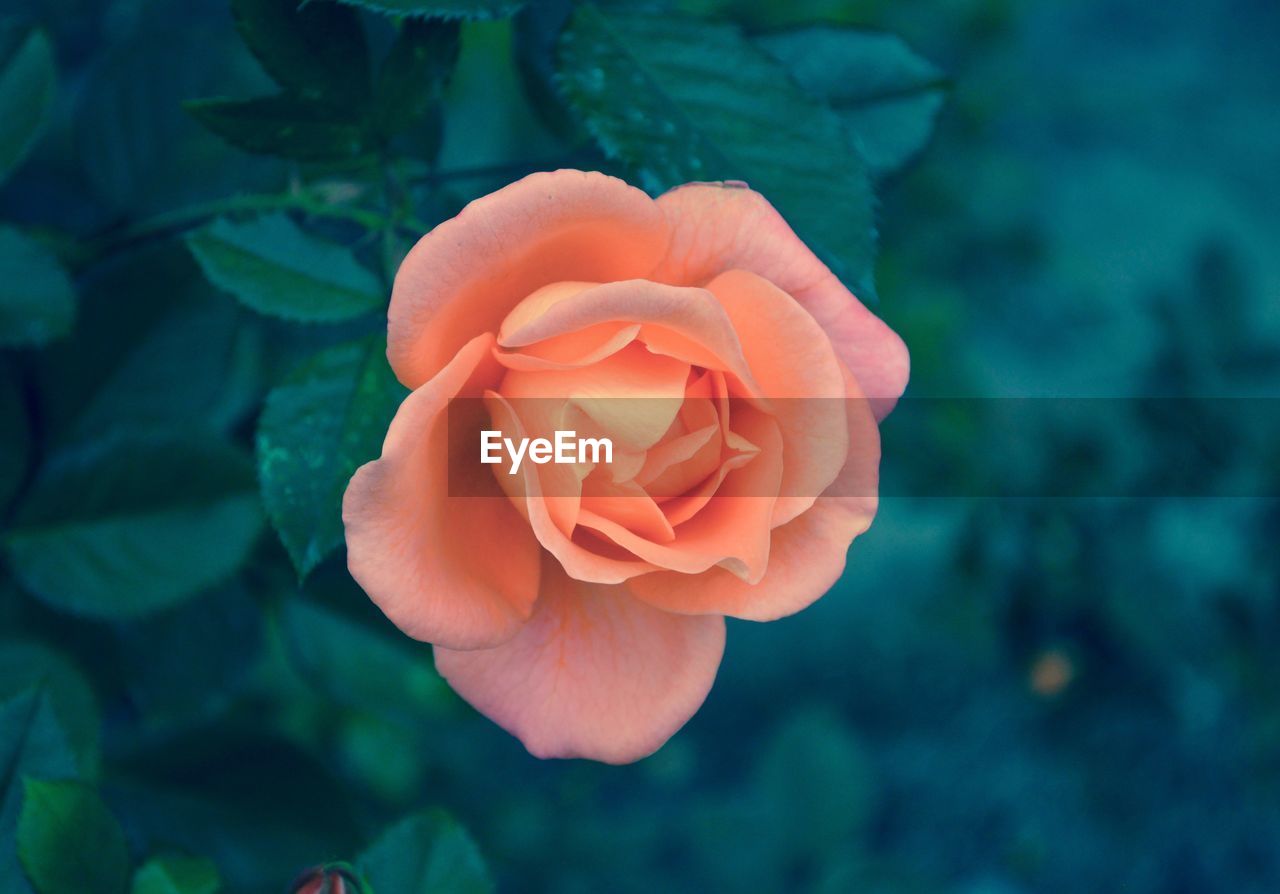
{"x":582,"y":607}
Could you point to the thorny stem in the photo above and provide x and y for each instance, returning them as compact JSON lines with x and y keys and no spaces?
{"x":83,"y":254}
{"x":184,"y":218}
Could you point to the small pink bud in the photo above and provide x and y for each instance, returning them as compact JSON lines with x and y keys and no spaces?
{"x":331,"y":878}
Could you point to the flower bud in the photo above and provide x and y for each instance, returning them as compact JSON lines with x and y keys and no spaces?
{"x":331,"y":878}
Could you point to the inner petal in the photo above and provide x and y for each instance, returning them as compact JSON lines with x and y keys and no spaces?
{"x":571,"y":350}
{"x":536,"y":304}
{"x":688,"y":324}
{"x":628,"y":505}
{"x":632,"y":395}
{"x":732,"y":529}
{"x":559,"y":486}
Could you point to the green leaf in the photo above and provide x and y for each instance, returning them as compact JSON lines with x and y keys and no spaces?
{"x":27,"y":664}
{"x":316,"y":50}
{"x":276,"y":268}
{"x":427,"y":853}
{"x":155,"y":346}
{"x":287,"y":126}
{"x":140,"y":152}
{"x":15,"y":438}
{"x":32,"y":743}
{"x":442,"y":9}
{"x":359,"y":668}
{"x":134,"y":523}
{"x":177,"y":875}
{"x":421,"y":59}
{"x":318,"y":427}
{"x":887,"y":96}
{"x":259,"y":807}
{"x":678,"y":100}
{"x":189,"y":663}
{"x":536,"y":33}
{"x":27,"y":83}
{"x":815,"y":776}
{"x":37,"y":302}
{"x":68,"y":842}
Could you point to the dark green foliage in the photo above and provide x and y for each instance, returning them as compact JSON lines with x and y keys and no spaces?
{"x":409,"y":83}
{"x":679,"y":100}
{"x":135,"y":148}
{"x":886,"y":95}
{"x":32,"y":745}
{"x":27,"y":84}
{"x":37,"y":303}
{"x":27,"y":665}
{"x":134,"y":523}
{"x":366,"y":670}
{"x":259,"y":807}
{"x":329,"y":111}
{"x":176,"y":875}
{"x":1000,"y":696}
{"x":15,"y":437}
{"x":323,"y":422}
{"x":189,"y":663}
{"x":276,"y":268}
{"x":444,"y":9}
{"x":68,"y":841}
{"x":284,"y":125}
{"x":155,"y":346}
{"x":317,"y":50}
{"x":428,"y":853}
{"x":318,"y":55}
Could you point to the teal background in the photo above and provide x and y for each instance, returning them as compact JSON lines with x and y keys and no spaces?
{"x":1000,"y":696}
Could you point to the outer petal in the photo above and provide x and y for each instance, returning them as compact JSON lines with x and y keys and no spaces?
{"x":412,"y":546}
{"x":793,"y":361}
{"x":464,"y":276}
{"x":718,"y":227}
{"x":594,"y":674}
{"x":806,"y":557}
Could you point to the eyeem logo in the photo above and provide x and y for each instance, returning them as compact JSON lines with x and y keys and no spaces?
{"x":567,"y":449}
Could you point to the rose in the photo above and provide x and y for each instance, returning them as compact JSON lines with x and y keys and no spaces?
{"x":581,"y":611}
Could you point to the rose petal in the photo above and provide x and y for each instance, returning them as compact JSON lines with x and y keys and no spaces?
{"x":688,"y":324}
{"x":799,"y":373}
{"x":806,"y":555}
{"x":412,"y":546}
{"x":627,"y":505}
{"x":536,"y":304}
{"x":632,"y":395}
{"x":594,"y":673}
{"x":560,"y":486}
{"x":676,"y":464}
{"x":719,"y":227}
{"x":525,"y":490}
{"x":679,"y":510}
{"x":469,"y":272}
{"x":571,"y":350}
{"x":732,"y":528}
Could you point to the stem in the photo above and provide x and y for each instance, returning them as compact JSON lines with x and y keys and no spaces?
{"x":184,"y":218}
{"x":87,"y":252}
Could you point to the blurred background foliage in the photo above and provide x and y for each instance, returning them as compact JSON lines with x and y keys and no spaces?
{"x":1001,"y":696}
